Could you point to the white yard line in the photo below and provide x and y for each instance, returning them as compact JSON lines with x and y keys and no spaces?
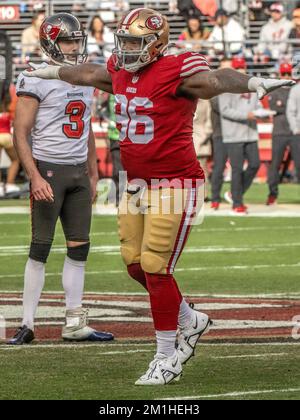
{"x":74,"y":347}
{"x":191,"y":295}
{"x":250,"y":356}
{"x":77,"y":346}
{"x":288,"y":211}
{"x":199,"y":230}
{"x":22,"y":250}
{"x":236,"y":394}
{"x":178,"y":270}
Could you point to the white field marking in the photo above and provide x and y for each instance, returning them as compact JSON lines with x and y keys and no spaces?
{"x":219,"y":325}
{"x":178,"y":270}
{"x":69,"y":346}
{"x":250,"y":356}
{"x":235,"y":324}
{"x":244,"y":229}
{"x":200,"y":230}
{"x":140,"y":320}
{"x":235,"y":394}
{"x":284,"y":296}
{"x":110,"y":353}
{"x":146,"y":305}
{"x":14,"y":210}
{"x":17,"y":222}
{"x":77,"y":346}
{"x":100,"y":211}
{"x":285,"y":214}
{"x":21,"y":250}
{"x":58,"y":312}
{"x":57,"y":236}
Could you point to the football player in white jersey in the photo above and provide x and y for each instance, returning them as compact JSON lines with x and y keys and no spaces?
{"x":62,"y":167}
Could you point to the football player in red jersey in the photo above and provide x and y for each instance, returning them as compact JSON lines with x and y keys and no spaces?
{"x":156,"y":97}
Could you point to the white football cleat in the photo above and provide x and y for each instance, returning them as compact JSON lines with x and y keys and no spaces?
{"x":12,"y":188}
{"x":162,"y":370}
{"x":76,"y":328}
{"x":189,"y":336}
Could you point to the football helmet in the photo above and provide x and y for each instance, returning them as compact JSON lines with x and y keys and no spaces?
{"x":63,"y":27}
{"x":142,"y":35}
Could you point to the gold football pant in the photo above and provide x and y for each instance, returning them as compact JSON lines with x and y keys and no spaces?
{"x":154,"y":226}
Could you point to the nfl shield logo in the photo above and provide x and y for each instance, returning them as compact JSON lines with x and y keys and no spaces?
{"x":50,"y":174}
{"x":135,"y":79}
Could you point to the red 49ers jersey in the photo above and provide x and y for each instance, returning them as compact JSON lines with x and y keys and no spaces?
{"x":156,"y":126}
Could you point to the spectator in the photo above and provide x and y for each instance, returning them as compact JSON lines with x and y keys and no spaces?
{"x":187,"y":8}
{"x":210,"y":7}
{"x":231,"y":6}
{"x":228,"y":35}
{"x":100,"y":40}
{"x":283,"y":136}
{"x":206,"y":7}
{"x":36,"y":5}
{"x":274,"y":34}
{"x":239,"y":128}
{"x":112,"y":5}
{"x":293,"y":116}
{"x":30,"y":37}
{"x":202,"y":134}
{"x":258,"y":9}
{"x":6,"y":143}
{"x":295,"y":33}
{"x":220,"y":154}
{"x":194,"y":34}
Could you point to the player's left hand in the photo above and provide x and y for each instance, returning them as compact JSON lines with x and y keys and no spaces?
{"x":264,"y":86}
{"x":43,"y":71}
{"x":94,"y":183}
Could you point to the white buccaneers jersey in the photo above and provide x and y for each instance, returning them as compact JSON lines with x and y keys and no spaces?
{"x":61,"y":131}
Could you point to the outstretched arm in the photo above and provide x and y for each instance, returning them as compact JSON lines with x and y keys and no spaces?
{"x":208,"y":84}
{"x":93,"y":75}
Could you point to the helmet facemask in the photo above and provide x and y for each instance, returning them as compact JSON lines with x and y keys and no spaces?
{"x":71,"y":59}
{"x":144,"y":49}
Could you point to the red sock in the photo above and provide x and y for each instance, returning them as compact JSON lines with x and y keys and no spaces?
{"x":165,"y":301}
{"x":136,"y":272}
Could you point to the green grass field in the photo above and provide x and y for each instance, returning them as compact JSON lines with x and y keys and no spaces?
{"x":238,"y":256}
{"x":95,"y":373}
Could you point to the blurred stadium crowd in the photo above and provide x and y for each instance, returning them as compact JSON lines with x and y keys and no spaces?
{"x":260,"y":37}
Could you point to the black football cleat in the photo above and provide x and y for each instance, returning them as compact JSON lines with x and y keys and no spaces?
{"x":23,"y":336}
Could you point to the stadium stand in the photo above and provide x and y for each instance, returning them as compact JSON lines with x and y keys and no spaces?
{"x":250,"y":15}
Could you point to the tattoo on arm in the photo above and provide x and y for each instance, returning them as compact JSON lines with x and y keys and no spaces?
{"x":229,"y":81}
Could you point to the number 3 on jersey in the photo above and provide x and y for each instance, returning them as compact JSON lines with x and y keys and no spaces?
{"x":75,"y":110}
{"x":138,"y":128}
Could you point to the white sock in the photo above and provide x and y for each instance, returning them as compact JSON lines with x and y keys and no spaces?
{"x":33,"y":285}
{"x":166,"y":342}
{"x":73,"y":282}
{"x":185,"y":314}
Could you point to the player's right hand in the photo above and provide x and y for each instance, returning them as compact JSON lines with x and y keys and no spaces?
{"x":41,"y":190}
{"x":43,"y":71}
